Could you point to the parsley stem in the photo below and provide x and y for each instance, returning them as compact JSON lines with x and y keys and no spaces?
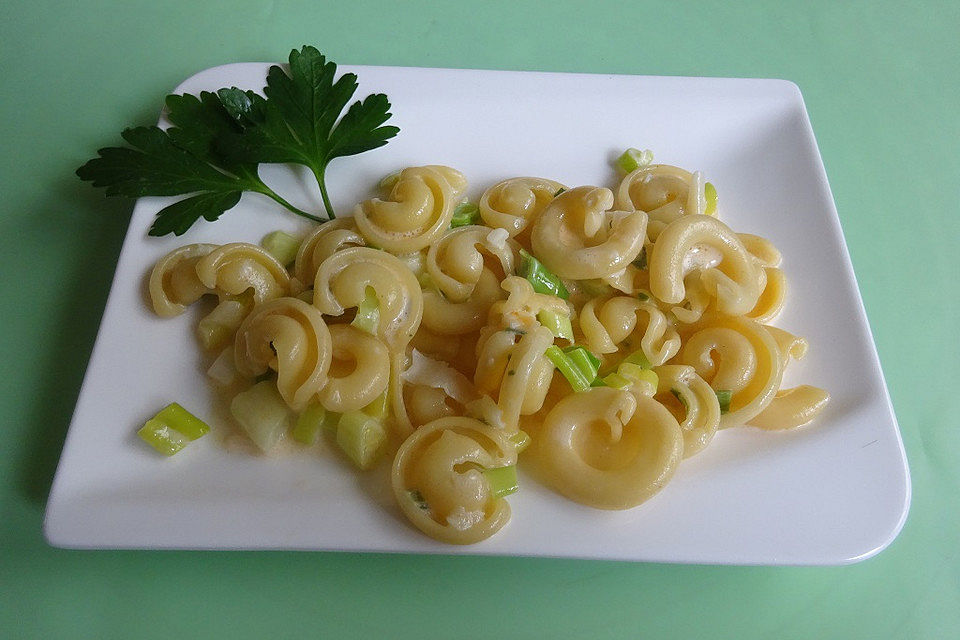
{"x":270,"y":193}
{"x":318,"y":173}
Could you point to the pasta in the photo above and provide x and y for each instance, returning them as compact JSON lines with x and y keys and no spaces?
{"x":603,"y":335}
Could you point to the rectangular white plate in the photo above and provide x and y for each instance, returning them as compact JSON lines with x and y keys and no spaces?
{"x":834,"y":492}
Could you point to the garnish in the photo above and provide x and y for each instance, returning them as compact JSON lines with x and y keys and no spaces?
{"x":217,"y":140}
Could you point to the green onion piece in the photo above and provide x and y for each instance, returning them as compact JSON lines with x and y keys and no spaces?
{"x":676,"y":394}
{"x":176,"y":417}
{"x":465,"y":213}
{"x":418,"y":498}
{"x":310,"y":424}
{"x":361,"y":437}
{"x":368,"y":313}
{"x":578,"y":381}
{"x":558,"y":323}
{"x":540,"y":277}
{"x":710,"y":193}
{"x":584,"y":360}
{"x":616,"y":381}
{"x":724,"y":397}
{"x":637,"y":373}
{"x":218,"y":326}
{"x":521,"y":439}
{"x":503,"y":480}
{"x":643,"y":295}
{"x":632,"y":159}
{"x":641,"y":260}
{"x":558,"y":192}
{"x":161,"y":437}
{"x":639,"y":358}
{"x":282,"y":246}
{"x":263,"y":414}
{"x":379,"y":408}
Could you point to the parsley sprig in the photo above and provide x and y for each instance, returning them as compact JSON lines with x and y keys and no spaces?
{"x":217,"y":140}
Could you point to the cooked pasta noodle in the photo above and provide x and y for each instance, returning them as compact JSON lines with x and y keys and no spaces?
{"x":417,"y":210}
{"x":438,"y":481}
{"x":290,"y":337}
{"x":174,"y":283}
{"x":610,"y":336}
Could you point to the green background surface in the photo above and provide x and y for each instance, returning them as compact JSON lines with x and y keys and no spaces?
{"x":882,"y":88}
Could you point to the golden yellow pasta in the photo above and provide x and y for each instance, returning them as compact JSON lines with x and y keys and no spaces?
{"x":578,"y":237}
{"x":290,"y":337}
{"x":235,"y":268}
{"x":608,"y":449}
{"x":439,"y":483}
{"x":174,"y":283}
{"x":602,"y":338}
{"x":417,"y":211}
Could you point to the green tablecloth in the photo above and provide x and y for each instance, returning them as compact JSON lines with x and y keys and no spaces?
{"x":882,"y":88}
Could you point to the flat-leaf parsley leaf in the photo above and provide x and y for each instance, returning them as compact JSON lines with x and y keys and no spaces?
{"x":217,"y":140}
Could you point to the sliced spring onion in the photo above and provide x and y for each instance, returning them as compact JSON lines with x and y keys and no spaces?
{"x":172,"y":428}
{"x":643,"y":295}
{"x":310,"y":424}
{"x":558,"y":323}
{"x":639,"y":358}
{"x":262,"y":414}
{"x":584,"y":360}
{"x":503,"y":480}
{"x":162,"y":438}
{"x":724,"y":396}
{"x":637,"y":373}
{"x":540,"y":277}
{"x":632,"y":159}
{"x":465,"y":213}
{"x":368,"y":313}
{"x":521,"y":439}
{"x":176,"y":417}
{"x":641,"y":260}
{"x":361,"y":437}
{"x":282,"y":246}
{"x":379,"y":408}
{"x":558,"y":192}
{"x":710,"y":193}
{"x":577,"y":379}
{"x":218,"y":326}
{"x":223,"y":371}
{"x":617,"y":381}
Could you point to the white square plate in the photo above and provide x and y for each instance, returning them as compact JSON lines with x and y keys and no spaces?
{"x":834,"y":492}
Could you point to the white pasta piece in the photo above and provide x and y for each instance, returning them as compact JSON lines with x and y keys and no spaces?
{"x":578,"y":237}
{"x":433,"y":373}
{"x":290,"y":337}
{"x":738,"y":355}
{"x":174,"y":283}
{"x":792,"y":408}
{"x":326,"y":240}
{"x":438,"y":479}
{"x":342,"y":282}
{"x":735,"y":280}
{"x":663,"y":191}
{"x":513,"y":367}
{"x":608,"y":449}
{"x":624,"y":323}
{"x":359,"y":370}
{"x":700,"y":407}
{"x":240,"y":266}
{"x":417,"y":210}
{"x":513,"y":204}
